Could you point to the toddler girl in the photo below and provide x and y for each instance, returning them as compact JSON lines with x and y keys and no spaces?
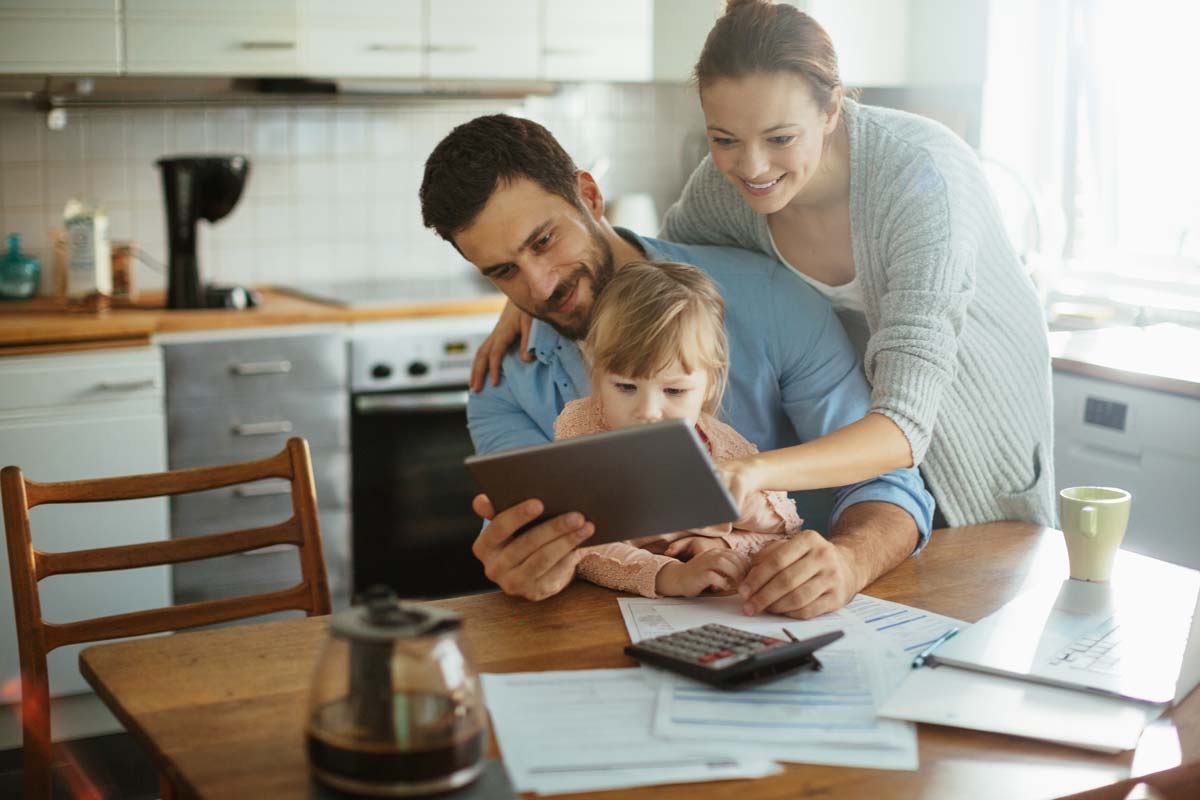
{"x":657,"y":350}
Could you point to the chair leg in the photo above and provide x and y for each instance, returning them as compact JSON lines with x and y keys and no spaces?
{"x":165,"y":790}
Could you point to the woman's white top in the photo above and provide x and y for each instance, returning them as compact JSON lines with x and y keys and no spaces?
{"x":955,"y":343}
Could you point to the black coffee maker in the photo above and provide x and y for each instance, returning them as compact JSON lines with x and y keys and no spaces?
{"x":195,"y":187}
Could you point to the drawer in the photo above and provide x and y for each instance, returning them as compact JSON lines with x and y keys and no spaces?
{"x":222,"y":431}
{"x":80,"y":380}
{"x":260,"y":503}
{"x":255,"y":368}
{"x":268,"y":569}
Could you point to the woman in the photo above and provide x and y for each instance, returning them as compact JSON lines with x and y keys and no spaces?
{"x":889,"y":216}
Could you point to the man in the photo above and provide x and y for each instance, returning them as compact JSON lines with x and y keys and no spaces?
{"x":506,"y":195}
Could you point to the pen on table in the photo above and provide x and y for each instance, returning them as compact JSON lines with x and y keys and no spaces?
{"x":790,"y":635}
{"x":924,"y":655}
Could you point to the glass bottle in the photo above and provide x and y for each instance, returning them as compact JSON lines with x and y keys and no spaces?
{"x":19,"y":273}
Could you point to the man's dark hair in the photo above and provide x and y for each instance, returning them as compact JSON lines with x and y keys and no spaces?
{"x":466,"y":167}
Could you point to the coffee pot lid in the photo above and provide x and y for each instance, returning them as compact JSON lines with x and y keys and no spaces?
{"x":383,"y":618}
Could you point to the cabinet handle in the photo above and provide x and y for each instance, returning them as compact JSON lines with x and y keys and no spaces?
{"x":424,"y":401}
{"x":262,"y":428}
{"x":393,"y":48}
{"x":127,"y":386}
{"x":268,"y":45}
{"x":567,"y":51}
{"x":263,"y":489}
{"x":262,"y":368}
{"x":452,"y":48}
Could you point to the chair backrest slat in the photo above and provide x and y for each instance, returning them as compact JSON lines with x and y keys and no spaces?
{"x":190,"y":615}
{"x":36,"y":637}
{"x":158,"y":484}
{"x":151,"y":554}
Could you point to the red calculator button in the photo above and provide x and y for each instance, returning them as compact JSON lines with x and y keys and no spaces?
{"x":769,"y":640}
{"x":709,"y":657}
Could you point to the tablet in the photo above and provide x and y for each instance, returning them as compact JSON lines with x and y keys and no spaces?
{"x":631,"y":482}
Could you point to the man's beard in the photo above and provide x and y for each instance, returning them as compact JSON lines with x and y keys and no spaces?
{"x":600,"y":255}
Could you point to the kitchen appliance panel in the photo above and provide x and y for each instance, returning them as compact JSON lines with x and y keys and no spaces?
{"x":255,"y":367}
{"x":220,"y":431}
{"x":262,"y":502}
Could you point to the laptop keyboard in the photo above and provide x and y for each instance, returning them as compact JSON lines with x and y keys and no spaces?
{"x":1098,"y":650}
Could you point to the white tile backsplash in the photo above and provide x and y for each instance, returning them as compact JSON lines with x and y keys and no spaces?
{"x":332,"y":193}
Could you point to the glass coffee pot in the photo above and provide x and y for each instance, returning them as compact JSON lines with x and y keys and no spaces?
{"x":395,"y":707}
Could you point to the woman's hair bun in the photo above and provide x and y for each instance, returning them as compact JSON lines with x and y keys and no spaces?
{"x":732,"y":5}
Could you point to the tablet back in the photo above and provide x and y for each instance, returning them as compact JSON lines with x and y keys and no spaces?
{"x":631,"y":482}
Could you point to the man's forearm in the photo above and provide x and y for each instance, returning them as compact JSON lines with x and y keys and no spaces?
{"x":877,"y":535}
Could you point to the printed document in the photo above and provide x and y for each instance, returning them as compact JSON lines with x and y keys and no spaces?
{"x":590,"y":730}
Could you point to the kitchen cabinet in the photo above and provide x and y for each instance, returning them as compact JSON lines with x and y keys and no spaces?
{"x":365,"y":38}
{"x":48,"y":37}
{"x":494,"y":40}
{"x":211,"y":37}
{"x":586,"y":41}
{"x":240,"y":396}
{"x":880,"y":43}
{"x":74,"y":416}
{"x":1111,"y":433}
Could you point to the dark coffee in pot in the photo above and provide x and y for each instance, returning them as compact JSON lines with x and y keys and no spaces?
{"x":434,"y":747}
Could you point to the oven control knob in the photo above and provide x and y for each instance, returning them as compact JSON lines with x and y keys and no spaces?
{"x":418,"y":368}
{"x":381,"y":371}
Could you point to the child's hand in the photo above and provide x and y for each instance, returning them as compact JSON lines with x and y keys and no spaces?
{"x":689,"y":547}
{"x":716,"y":570}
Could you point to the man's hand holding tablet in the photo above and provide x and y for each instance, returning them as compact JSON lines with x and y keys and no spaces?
{"x":612,"y":486}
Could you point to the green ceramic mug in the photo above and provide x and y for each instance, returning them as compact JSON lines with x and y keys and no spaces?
{"x":1093,"y":520}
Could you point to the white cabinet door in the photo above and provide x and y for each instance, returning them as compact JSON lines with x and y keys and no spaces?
{"x":588,"y":41}
{"x":871,"y":38}
{"x":362,"y":38}
{"x":494,"y":40}
{"x":119,"y":437}
{"x":210,"y":37}
{"x":47,"y":37}
{"x":680,"y":28}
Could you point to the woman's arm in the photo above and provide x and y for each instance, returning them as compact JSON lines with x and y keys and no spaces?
{"x":860,"y":451}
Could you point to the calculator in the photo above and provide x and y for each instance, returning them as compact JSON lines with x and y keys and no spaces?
{"x":729,"y":658}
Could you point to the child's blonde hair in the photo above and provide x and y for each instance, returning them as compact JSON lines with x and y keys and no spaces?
{"x":650,"y":314}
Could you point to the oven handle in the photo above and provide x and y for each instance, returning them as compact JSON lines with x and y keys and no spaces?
{"x":425,"y":401}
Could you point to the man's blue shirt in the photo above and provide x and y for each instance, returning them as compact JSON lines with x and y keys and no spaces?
{"x":793,"y":377}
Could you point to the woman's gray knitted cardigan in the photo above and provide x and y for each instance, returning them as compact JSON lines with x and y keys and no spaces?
{"x":958,"y":355}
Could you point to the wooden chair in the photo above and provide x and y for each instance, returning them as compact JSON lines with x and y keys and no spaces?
{"x":36,"y":637}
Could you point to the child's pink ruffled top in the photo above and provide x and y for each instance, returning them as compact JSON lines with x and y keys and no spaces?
{"x":633,"y":566}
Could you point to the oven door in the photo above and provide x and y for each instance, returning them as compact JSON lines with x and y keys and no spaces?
{"x":413,"y":523}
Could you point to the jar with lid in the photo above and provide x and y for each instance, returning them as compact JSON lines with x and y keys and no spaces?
{"x":20,"y":273}
{"x":395,"y":707}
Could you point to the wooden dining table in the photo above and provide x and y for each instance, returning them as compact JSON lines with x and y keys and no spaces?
{"x":222,"y":712}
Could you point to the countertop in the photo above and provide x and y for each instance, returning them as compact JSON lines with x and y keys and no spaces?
{"x":45,"y":326}
{"x":1162,"y":357}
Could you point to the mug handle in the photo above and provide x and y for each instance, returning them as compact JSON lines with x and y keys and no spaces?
{"x":1087,"y":521}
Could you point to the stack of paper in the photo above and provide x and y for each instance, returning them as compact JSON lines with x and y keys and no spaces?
{"x":589,"y":730}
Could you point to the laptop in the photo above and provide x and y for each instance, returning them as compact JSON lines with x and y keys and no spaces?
{"x":1137,"y":639}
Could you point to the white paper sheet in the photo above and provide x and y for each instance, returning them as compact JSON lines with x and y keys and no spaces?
{"x":968,"y":699}
{"x":823,"y":717}
{"x":590,"y":730}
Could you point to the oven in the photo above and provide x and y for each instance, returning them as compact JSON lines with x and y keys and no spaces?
{"x":413,"y":524}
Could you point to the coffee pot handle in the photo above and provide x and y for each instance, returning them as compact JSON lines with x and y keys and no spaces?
{"x":1087,"y":522}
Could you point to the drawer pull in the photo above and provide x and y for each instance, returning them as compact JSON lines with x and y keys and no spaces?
{"x":263,"y":489}
{"x":268,"y":45}
{"x":567,"y":51}
{"x":128,"y":386}
{"x":452,"y":49}
{"x":393,"y":48}
{"x":262,"y":368}
{"x":262,"y":428}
